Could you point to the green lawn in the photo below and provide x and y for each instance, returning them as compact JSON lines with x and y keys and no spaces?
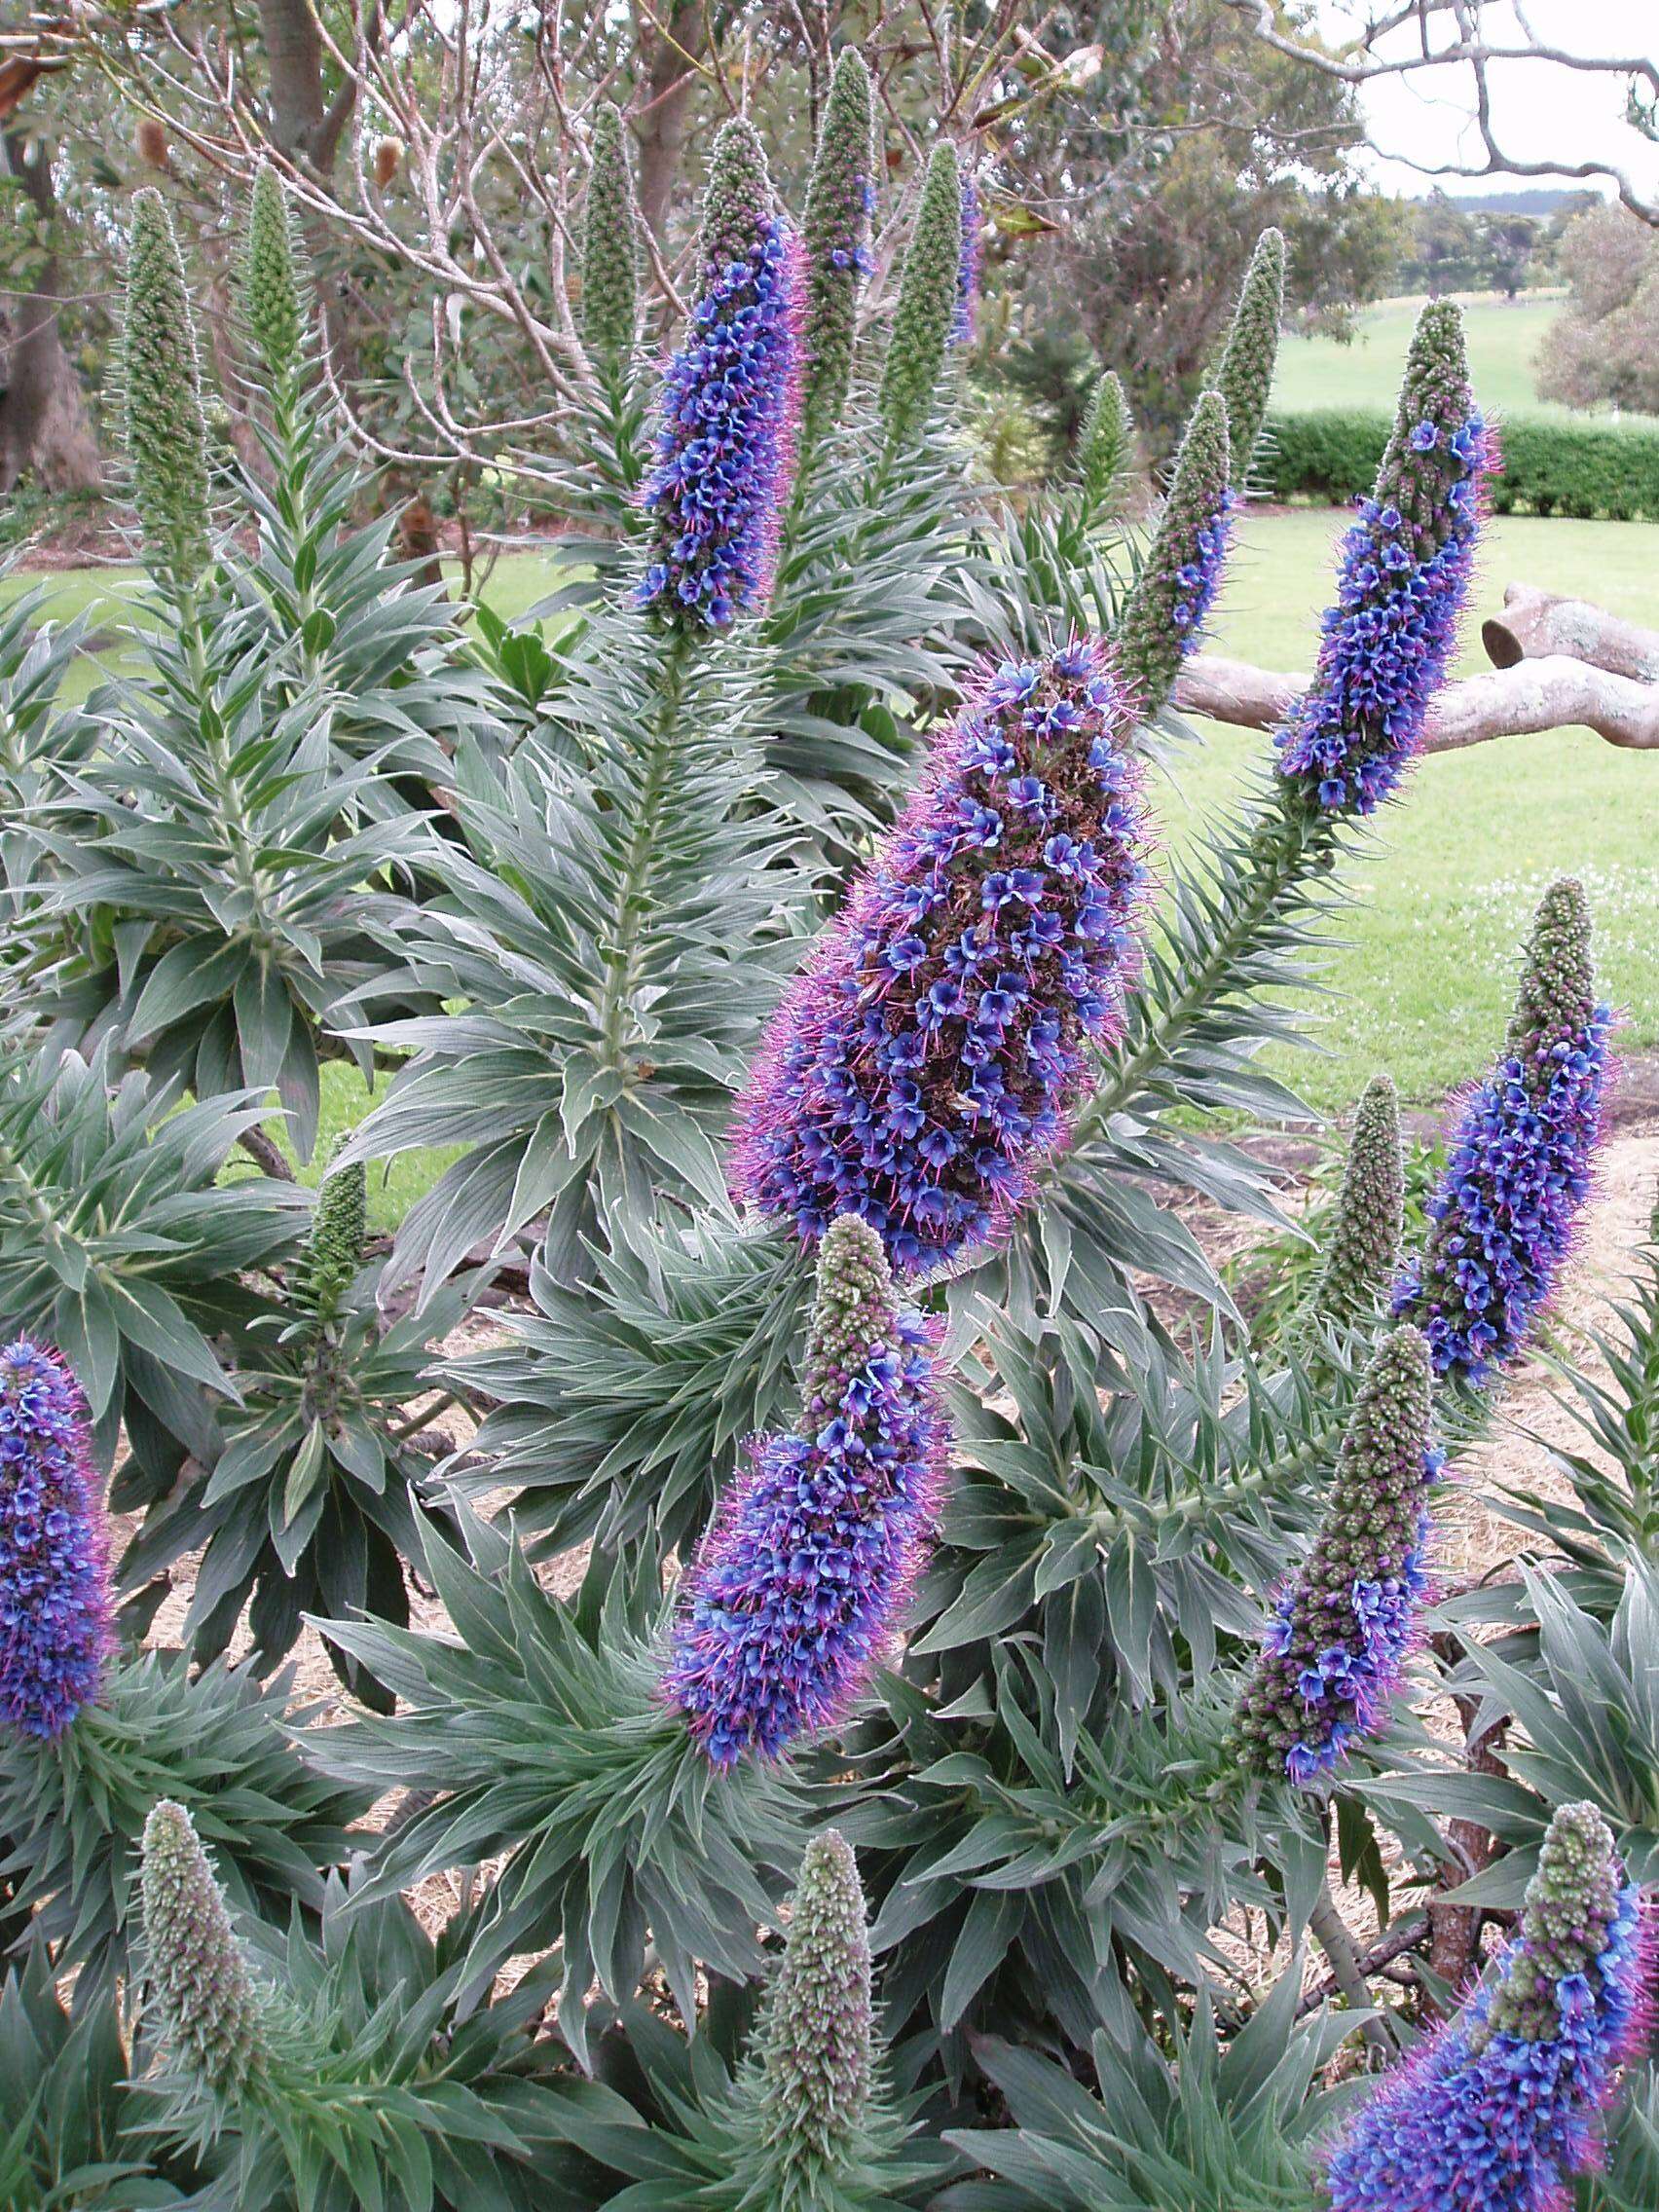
{"x":1422,"y":980}
{"x":1503,"y":335}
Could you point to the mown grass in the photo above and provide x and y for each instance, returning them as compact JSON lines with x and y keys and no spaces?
{"x":1422,"y":980}
{"x":1503,"y":337}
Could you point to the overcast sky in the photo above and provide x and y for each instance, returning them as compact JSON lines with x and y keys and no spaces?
{"x":1540,"y":112}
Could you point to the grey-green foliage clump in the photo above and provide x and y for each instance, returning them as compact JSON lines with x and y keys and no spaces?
{"x":1245,"y":376}
{"x":927,"y":301}
{"x":1163,"y":614}
{"x":610,"y":249}
{"x":1363,"y":1248}
{"x":835,"y":233}
{"x":1104,"y":443}
{"x":209,"y":2010}
{"x":272,"y":304}
{"x":167,"y":437}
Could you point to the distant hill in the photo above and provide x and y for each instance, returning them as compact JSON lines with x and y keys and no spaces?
{"x":1541,"y":201}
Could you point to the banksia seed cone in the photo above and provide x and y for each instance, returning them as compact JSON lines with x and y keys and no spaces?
{"x":270,"y":287}
{"x":1363,"y":1249}
{"x":1495,"y":2109}
{"x":928,"y":293}
{"x":53,"y":1589}
{"x":1402,"y":579}
{"x":835,"y":234}
{"x":1103,"y":443}
{"x":209,"y":2007}
{"x":1332,"y":1655}
{"x":610,"y":249}
{"x":1245,"y":377}
{"x":1164,"y":614}
{"x":815,"y":2040}
{"x":334,"y":1247}
{"x":795,"y":1593}
{"x":924,"y":1065}
{"x":725,"y":451}
{"x":1520,"y":1166}
{"x":167,"y":437}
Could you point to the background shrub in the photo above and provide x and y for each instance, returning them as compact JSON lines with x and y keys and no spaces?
{"x":1551,"y":468}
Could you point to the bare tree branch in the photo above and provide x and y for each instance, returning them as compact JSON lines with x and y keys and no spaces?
{"x":1450,"y":36}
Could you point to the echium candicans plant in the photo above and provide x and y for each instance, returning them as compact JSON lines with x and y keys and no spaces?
{"x":1104,"y":445}
{"x":835,"y":228}
{"x":1340,"y":1634}
{"x":1501,"y":1219}
{"x":1362,"y":1244}
{"x":812,"y":2126}
{"x":1404,"y":576}
{"x":928,"y":295}
{"x":1169,"y":603}
{"x":725,"y":451}
{"x":271,"y":296}
{"x":1245,"y":375}
{"x":611,"y":250}
{"x":166,"y":441}
{"x":212,"y":2013}
{"x":922,"y":1066}
{"x":54,"y":1615}
{"x":1498,"y":2109}
{"x":801,"y":1583}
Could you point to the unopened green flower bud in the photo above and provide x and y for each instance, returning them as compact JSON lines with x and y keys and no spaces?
{"x":1105,"y":444}
{"x":210,"y":2010}
{"x":1164,"y":614}
{"x":1245,"y":377}
{"x":166,"y":438}
{"x":926,"y":314}
{"x":610,"y":249}
{"x":835,"y":234}
{"x":1363,"y":1249}
{"x":271,"y":299}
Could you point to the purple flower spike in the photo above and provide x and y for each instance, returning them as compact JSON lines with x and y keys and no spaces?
{"x":1494,"y":2111}
{"x":1337,"y":1639}
{"x":725,"y":451}
{"x":54,"y":1591}
{"x":1402,"y":580}
{"x":925,"y":1062}
{"x":962,"y":329}
{"x":801,"y":1580}
{"x":1519,"y":1167}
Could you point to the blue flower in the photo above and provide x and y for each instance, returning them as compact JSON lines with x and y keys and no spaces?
{"x":725,"y":449}
{"x":54,"y":1591}
{"x":798,"y":1589}
{"x":954,"y":994}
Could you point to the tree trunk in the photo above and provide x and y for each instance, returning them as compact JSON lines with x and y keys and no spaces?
{"x":1535,"y":624}
{"x":665,"y":118}
{"x":45,"y":429}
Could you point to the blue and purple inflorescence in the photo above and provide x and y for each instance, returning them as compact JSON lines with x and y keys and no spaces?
{"x":801,"y":1580}
{"x":963,"y":325}
{"x":1403,"y":577}
{"x":924,"y":1065}
{"x":725,"y":451}
{"x":1498,"y":2108}
{"x":54,"y":1591}
{"x":1502,"y":1216}
{"x":1338,"y":1636}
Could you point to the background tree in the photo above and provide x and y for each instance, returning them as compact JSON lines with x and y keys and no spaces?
{"x":1603,"y":349}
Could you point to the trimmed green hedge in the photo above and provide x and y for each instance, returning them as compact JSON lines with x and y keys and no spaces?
{"x":1549,"y":468}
